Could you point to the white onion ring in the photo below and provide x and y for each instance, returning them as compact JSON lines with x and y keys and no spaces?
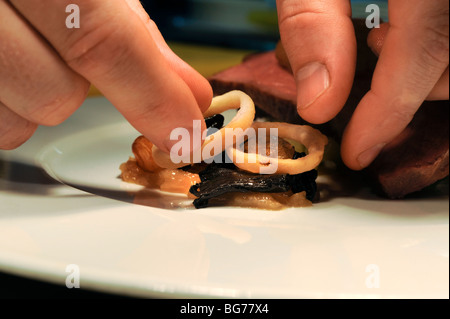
{"x":242,"y":120}
{"x":311,"y":138}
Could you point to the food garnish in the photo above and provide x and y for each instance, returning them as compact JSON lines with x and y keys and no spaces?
{"x":238,"y":175}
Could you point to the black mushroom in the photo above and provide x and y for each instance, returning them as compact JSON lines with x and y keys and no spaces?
{"x":220,"y":179}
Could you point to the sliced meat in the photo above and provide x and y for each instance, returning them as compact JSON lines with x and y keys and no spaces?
{"x":417,"y":158}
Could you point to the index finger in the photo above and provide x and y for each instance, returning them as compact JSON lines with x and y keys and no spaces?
{"x":414,"y":57}
{"x":114,"y":51}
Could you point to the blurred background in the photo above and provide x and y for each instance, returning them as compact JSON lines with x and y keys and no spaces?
{"x":244,"y":24}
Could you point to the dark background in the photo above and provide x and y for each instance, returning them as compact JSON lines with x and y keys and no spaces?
{"x":245,"y":24}
{"x":14,"y":287}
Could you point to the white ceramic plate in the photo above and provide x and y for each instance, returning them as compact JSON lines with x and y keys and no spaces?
{"x":350,"y":245}
{"x":334,"y":249}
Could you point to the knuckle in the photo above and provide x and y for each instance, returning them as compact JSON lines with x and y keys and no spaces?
{"x":300,"y":13}
{"x":57,"y":109}
{"x":296,"y":12}
{"x":96,"y":47}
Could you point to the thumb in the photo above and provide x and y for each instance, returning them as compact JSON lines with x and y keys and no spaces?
{"x":320,"y":42}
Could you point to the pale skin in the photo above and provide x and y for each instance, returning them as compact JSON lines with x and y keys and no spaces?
{"x":46,"y":68}
{"x":412,"y":67}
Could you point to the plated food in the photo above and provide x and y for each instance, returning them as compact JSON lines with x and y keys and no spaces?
{"x":263,"y":84}
{"x":244,"y":163}
{"x":416,"y":159}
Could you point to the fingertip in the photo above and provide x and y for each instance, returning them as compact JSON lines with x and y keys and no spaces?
{"x":366,"y":157}
{"x":169,"y":118}
{"x":200,"y":88}
{"x":322,"y":96}
{"x":348,"y":155}
{"x":360,"y":160}
{"x":203,"y":93}
{"x":14,"y":130}
{"x":199,"y":85}
{"x":313,"y":80}
{"x":23,"y":136}
{"x":440,"y":91}
{"x":188,"y":137}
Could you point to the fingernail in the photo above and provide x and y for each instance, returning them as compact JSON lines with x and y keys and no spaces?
{"x":368,"y":156}
{"x":312,"y":81}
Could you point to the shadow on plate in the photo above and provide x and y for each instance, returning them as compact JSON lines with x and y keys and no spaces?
{"x":24,"y":173}
{"x":333,"y":185}
{"x":144,"y":197}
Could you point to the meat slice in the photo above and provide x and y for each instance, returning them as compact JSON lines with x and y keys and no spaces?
{"x":271,"y":87}
{"x":416,"y":159}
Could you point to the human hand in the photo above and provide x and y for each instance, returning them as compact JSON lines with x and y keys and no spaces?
{"x":319,"y":40}
{"x":46,"y":69}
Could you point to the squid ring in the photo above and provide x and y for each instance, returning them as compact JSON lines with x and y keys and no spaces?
{"x":311,"y":138}
{"x":219,"y":140}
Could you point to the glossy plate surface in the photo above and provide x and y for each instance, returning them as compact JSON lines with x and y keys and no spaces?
{"x":351,"y":244}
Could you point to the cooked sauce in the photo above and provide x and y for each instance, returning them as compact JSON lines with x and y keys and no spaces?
{"x":167,"y":180}
{"x":265,"y":201}
{"x":180,"y":181}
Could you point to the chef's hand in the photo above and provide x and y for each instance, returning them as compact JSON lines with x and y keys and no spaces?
{"x":319,"y":40}
{"x":46,"y":69}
